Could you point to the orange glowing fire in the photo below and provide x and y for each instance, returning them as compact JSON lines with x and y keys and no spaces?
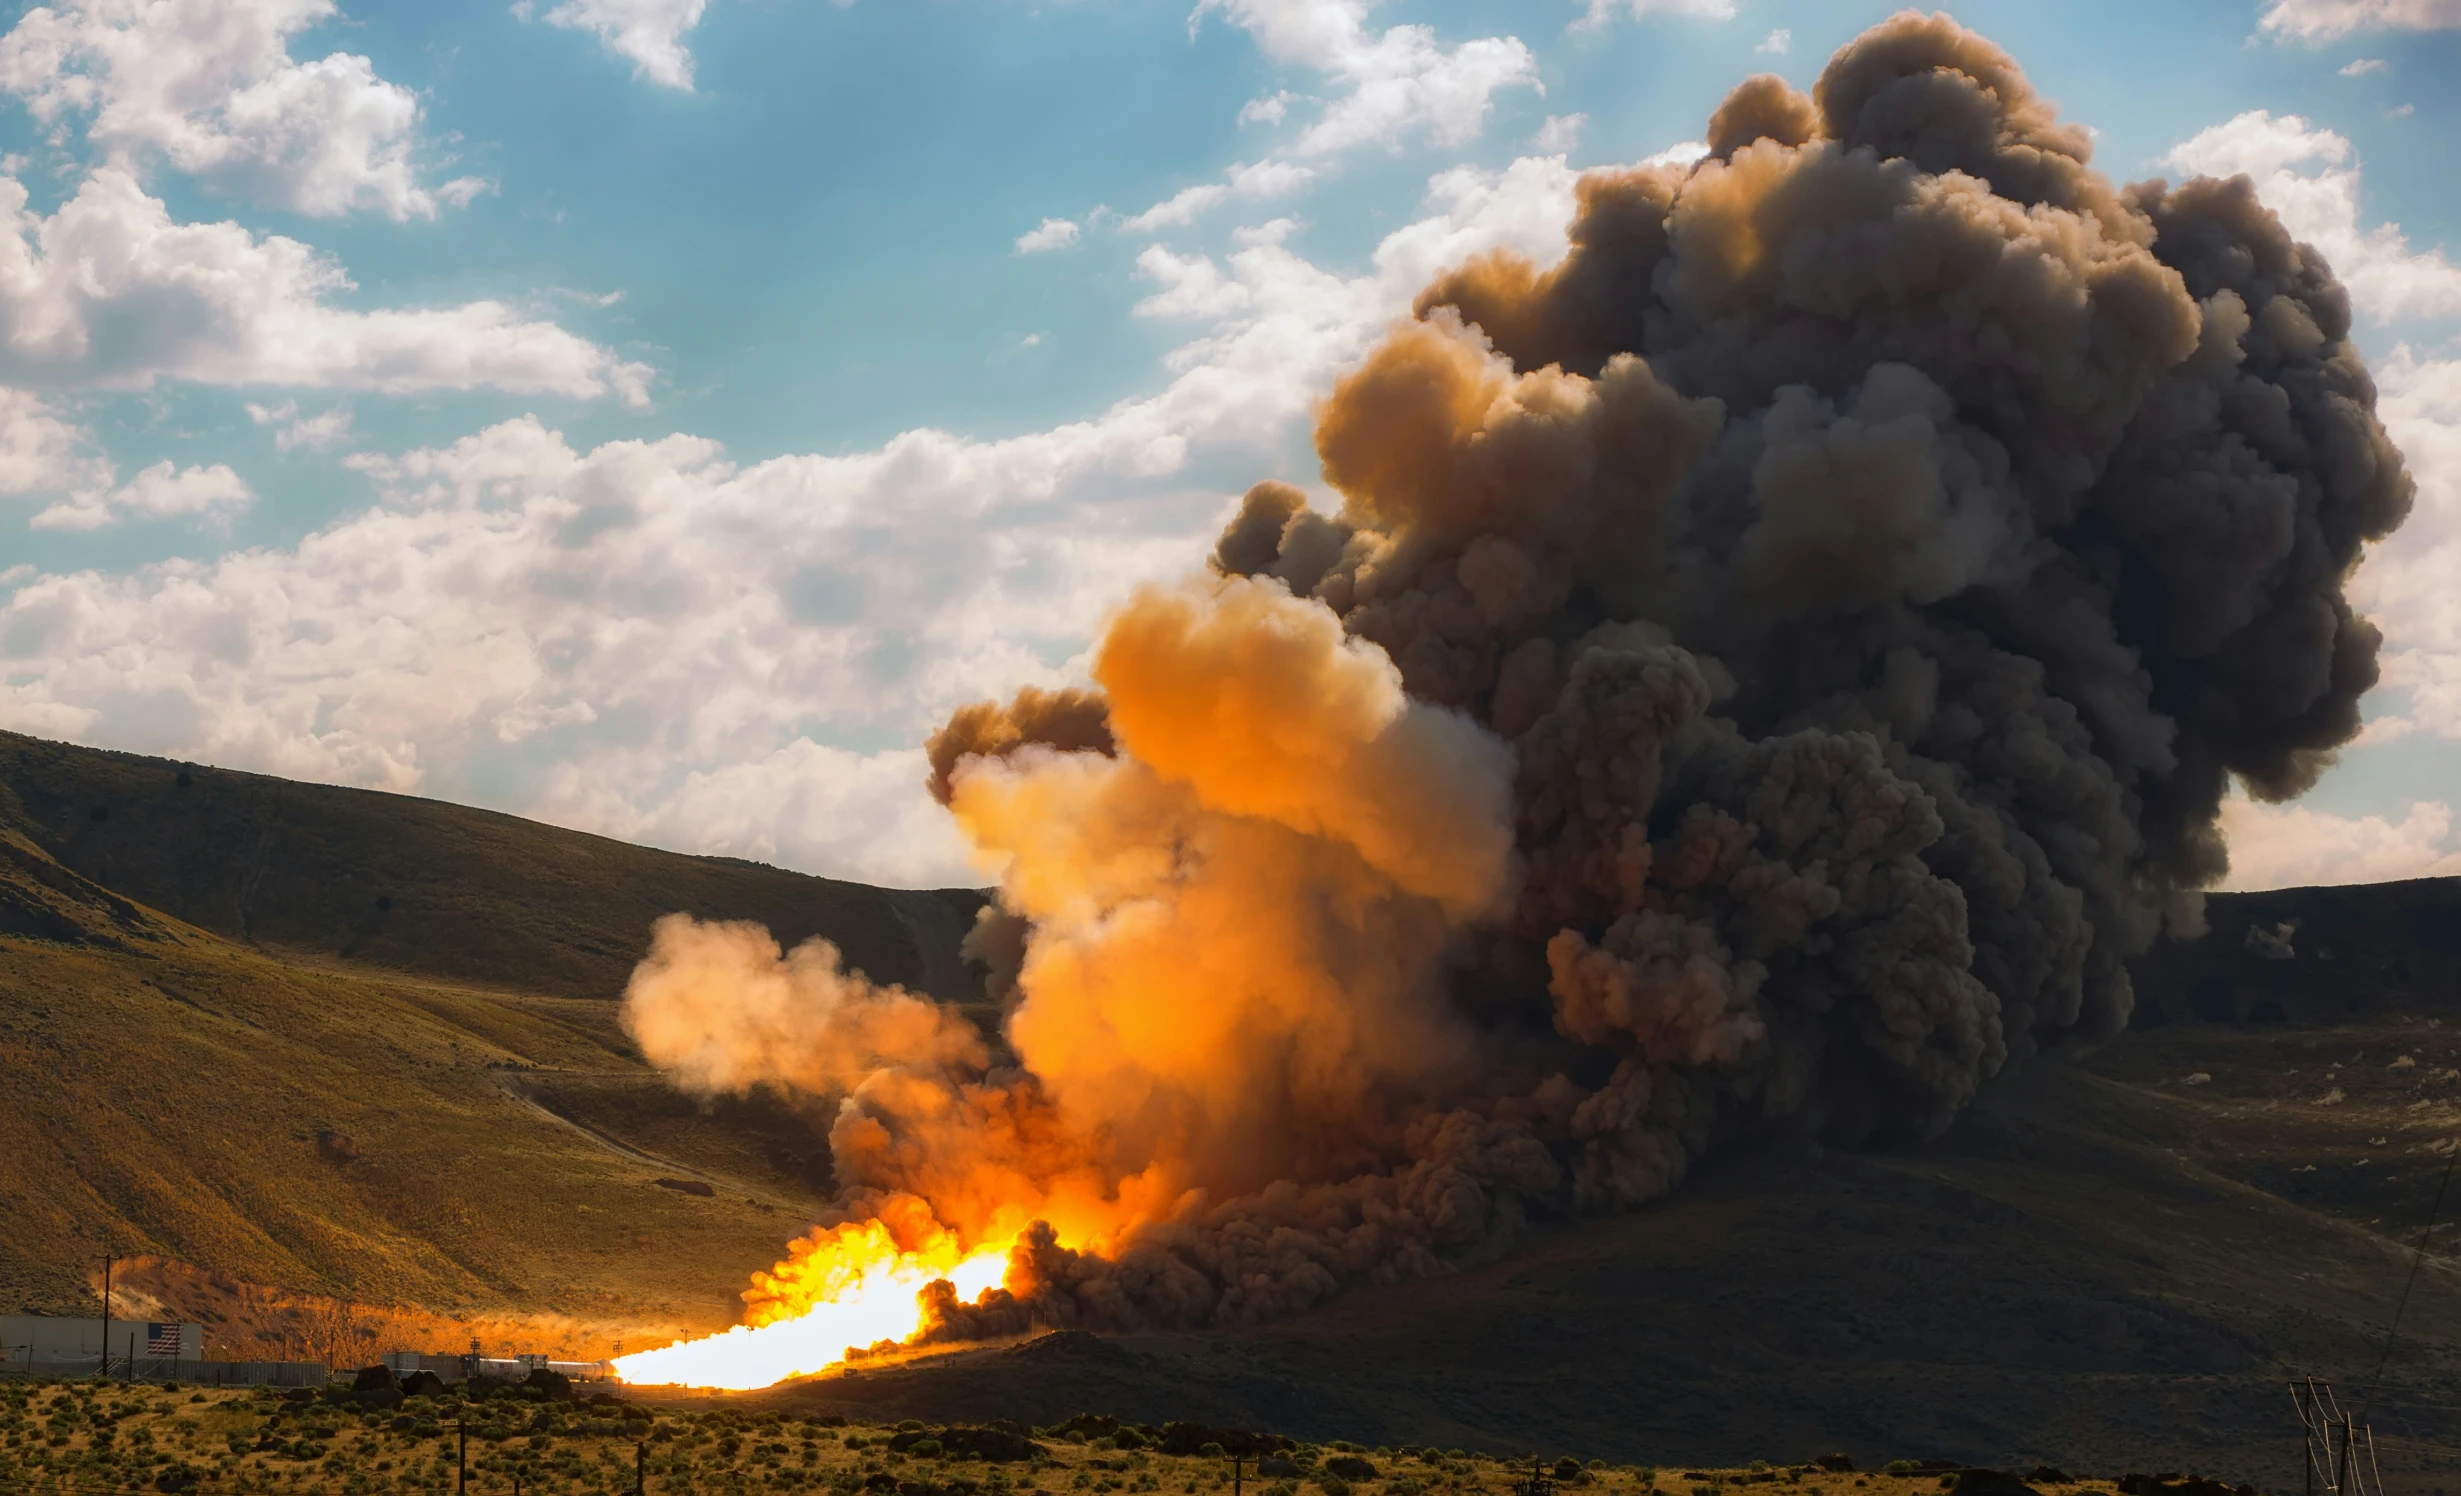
{"x":1237,"y":923}
{"x":846,"y":1289}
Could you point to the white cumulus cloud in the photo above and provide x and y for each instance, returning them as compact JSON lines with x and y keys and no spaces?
{"x":1600,"y":12}
{"x":210,"y":87}
{"x":649,"y":33}
{"x":1397,"y":81}
{"x":1052,"y":233}
{"x":1254,"y":180}
{"x":162,"y":491}
{"x":1269,"y":110}
{"x":2294,"y":846}
{"x":108,"y":291}
{"x":1777,"y":43}
{"x":1193,"y":288}
{"x":2310,"y":177}
{"x":316,"y":433}
{"x":645,"y":639}
{"x":2361,"y":67}
{"x":2406,"y":584}
{"x":2316,"y":21}
{"x":1560,"y":134}
{"x":1387,"y":87}
{"x":41,"y":452}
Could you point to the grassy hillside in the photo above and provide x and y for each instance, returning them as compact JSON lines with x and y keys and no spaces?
{"x":217,"y":1049}
{"x":354,"y":1133}
{"x":439,"y":890}
{"x":309,"y":1046}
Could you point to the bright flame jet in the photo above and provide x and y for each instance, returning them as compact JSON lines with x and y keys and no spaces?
{"x":871,"y":1292}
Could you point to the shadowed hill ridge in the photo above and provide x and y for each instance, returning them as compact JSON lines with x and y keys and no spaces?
{"x":425,"y":887}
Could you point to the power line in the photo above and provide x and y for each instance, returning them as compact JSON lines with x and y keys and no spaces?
{"x":2417,"y":1261}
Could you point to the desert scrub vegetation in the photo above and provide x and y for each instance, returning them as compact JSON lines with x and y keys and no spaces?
{"x":67,"y":1438}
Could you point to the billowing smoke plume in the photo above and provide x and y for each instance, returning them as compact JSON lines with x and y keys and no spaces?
{"x":1766,"y":673}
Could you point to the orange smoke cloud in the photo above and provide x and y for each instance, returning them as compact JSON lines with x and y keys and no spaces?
{"x":1765,"y":672}
{"x":1240,"y":915}
{"x":719,"y":1009}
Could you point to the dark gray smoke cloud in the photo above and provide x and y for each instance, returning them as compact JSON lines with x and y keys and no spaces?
{"x":1880,"y":545}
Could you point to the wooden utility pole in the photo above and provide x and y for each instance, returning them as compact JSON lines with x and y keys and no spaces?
{"x":1235,"y":1490}
{"x":2337,"y":1452}
{"x":105,"y":1373}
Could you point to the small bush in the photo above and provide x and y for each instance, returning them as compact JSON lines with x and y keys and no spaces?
{"x":1900,"y":1467}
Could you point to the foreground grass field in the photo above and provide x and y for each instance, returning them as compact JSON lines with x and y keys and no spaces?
{"x":96,"y":1436}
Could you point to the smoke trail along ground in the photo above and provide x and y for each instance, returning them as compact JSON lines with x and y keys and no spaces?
{"x":1765,"y":673}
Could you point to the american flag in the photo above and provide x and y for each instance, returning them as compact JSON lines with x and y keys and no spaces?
{"x":162,"y":1340}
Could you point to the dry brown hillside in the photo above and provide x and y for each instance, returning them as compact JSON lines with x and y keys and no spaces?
{"x":440,"y":890}
{"x":218,"y":1049}
{"x":363,"y":1047}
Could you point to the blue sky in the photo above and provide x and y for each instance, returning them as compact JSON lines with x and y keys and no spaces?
{"x":653,"y":416}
